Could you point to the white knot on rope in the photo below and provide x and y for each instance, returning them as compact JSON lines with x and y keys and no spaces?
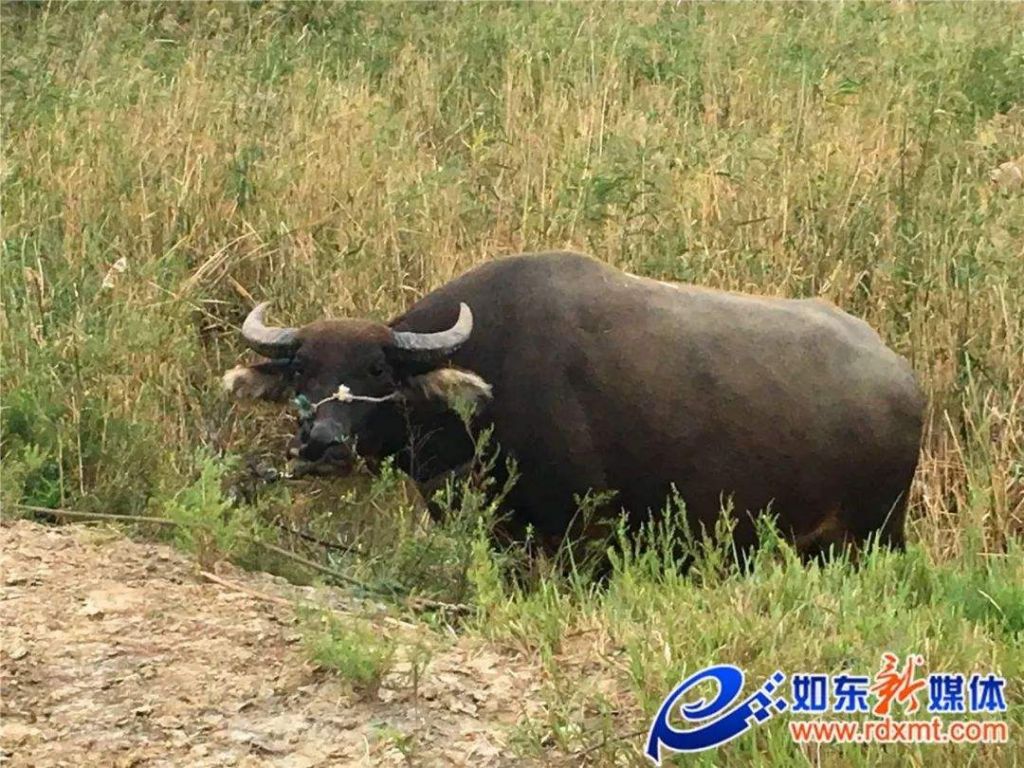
{"x":344,"y":395}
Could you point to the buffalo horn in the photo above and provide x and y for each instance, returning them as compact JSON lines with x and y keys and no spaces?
{"x":266,"y":340}
{"x":436,"y":345}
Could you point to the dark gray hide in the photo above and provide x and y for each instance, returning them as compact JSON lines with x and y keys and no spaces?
{"x":603,"y":380}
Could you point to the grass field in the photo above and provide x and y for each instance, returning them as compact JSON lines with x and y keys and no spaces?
{"x":165,"y":165}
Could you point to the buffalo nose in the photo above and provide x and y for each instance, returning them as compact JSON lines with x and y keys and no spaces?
{"x":321,"y":437}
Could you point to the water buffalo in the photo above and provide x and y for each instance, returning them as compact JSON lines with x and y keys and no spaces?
{"x":596,"y":379}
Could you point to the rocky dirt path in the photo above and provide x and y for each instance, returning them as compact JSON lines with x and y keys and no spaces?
{"x":118,"y":653}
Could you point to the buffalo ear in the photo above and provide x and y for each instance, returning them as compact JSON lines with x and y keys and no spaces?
{"x":267,"y":381}
{"x":452,"y":385}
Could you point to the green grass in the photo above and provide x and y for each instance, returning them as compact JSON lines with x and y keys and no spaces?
{"x":346,"y":159}
{"x":357,"y":652}
{"x":653,"y":628}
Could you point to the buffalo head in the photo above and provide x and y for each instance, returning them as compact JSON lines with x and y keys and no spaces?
{"x":355,"y":383}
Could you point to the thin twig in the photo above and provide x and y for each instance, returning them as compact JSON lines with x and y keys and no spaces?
{"x":281,"y":601}
{"x":167,"y":521}
{"x":315,"y":540}
{"x":309,"y":563}
{"x":245,"y":590}
{"x":76,"y":515}
{"x":413,"y":603}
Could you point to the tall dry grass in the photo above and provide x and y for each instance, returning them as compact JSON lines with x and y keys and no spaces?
{"x":346,"y":159}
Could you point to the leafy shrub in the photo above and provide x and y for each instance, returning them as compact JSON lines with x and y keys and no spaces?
{"x":209,"y":525}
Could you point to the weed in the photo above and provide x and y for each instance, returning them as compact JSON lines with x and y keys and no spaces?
{"x":208,"y":524}
{"x":353,"y":648}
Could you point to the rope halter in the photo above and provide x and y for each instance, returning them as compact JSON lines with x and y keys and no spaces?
{"x":343,"y":395}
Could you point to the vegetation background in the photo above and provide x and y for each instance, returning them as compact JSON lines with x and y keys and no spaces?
{"x":165,"y":165}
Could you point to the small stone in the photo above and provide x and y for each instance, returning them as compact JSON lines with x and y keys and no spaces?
{"x":16,"y":733}
{"x":18,"y":652}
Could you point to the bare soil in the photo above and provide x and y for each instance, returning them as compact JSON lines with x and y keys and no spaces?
{"x":120,"y":653}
